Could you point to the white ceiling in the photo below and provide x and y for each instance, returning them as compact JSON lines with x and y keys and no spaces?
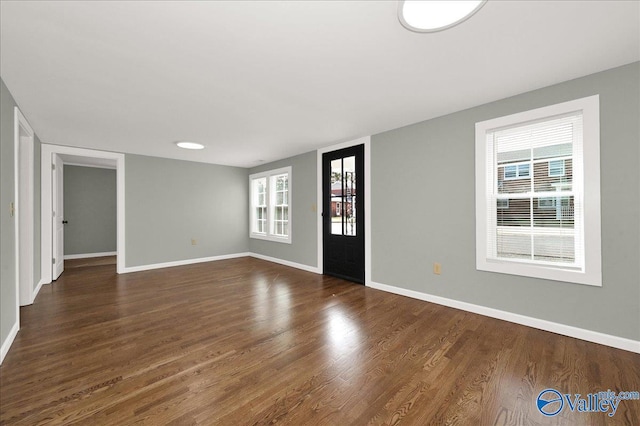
{"x":266,"y":80}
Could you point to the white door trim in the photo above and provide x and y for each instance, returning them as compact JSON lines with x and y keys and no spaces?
{"x":366,"y":141}
{"x":46,"y":205}
{"x":24,"y":285}
{"x":57,"y":200}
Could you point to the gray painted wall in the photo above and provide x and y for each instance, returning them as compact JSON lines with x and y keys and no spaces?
{"x":304,"y":237}
{"x":169,"y":202}
{"x":90,"y":209}
{"x":7,"y":223}
{"x":428,"y":169}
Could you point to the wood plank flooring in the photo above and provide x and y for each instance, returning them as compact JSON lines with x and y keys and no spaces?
{"x":244,"y":341}
{"x":90,"y":261}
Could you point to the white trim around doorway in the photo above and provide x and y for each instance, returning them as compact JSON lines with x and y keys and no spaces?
{"x":48,"y":152}
{"x":366,"y":141}
{"x":21,"y":176}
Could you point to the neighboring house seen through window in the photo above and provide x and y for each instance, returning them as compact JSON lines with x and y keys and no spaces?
{"x":516,"y":171}
{"x":537,"y":210}
{"x":556,"y":168}
{"x":270,"y":205}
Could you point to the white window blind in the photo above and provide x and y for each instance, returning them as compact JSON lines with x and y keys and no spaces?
{"x":542,"y":223}
{"x":538,"y":193}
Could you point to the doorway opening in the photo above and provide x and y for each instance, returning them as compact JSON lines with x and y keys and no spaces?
{"x":89,"y":214}
{"x":54,"y":158}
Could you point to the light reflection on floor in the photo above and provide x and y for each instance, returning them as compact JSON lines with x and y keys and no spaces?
{"x":272,"y":305}
{"x":343,"y":334}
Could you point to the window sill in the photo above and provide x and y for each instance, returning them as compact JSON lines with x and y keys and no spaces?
{"x":285,"y":240}
{"x":589,"y":276}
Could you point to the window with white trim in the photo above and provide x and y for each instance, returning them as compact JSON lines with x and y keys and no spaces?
{"x":537,"y":211}
{"x":270,"y":196}
{"x":259,"y":187}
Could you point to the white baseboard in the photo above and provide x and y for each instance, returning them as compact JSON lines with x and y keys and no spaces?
{"x":36,"y":291}
{"x":566,"y":330}
{"x":183,"y":262}
{"x":307,"y":268}
{"x":222,"y":257}
{"x":89,"y":255}
{"x":4,"y":349}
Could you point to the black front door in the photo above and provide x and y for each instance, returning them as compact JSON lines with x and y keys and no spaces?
{"x":343,"y":213}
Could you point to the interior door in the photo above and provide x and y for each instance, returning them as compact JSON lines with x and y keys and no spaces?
{"x":58,"y":217}
{"x":343,"y":213}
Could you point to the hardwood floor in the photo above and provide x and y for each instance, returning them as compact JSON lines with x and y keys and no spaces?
{"x":245,"y":341}
{"x":90,"y":261}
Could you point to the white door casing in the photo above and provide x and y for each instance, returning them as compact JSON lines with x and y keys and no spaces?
{"x":23,"y":145}
{"x":58,"y":217}
{"x":48,"y":152}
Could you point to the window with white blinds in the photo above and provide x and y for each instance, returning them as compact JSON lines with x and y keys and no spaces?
{"x":534,"y":200}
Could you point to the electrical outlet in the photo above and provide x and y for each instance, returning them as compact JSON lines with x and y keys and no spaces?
{"x":194,"y":242}
{"x":437,"y":268}
{"x":12,"y":209}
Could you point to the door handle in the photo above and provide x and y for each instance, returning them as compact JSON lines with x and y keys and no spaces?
{"x":64,"y":222}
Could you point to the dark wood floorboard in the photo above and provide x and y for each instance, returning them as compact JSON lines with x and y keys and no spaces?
{"x":89,"y":261}
{"x":244,"y":341}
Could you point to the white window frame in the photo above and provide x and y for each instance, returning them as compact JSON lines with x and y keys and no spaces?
{"x":273,"y":205}
{"x":255,"y":196}
{"x":270,"y":198}
{"x":586,"y":186}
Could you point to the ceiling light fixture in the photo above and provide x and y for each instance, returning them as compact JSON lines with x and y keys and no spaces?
{"x":427,"y":16}
{"x":190,"y":145}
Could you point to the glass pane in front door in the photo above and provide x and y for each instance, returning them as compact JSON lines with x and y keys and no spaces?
{"x":349,"y":210}
{"x":343,"y":196}
{"x":336,"y":197}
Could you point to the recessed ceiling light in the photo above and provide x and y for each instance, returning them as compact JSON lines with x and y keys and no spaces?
{"x":190,"y":145}
{"x":427,"y":16}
